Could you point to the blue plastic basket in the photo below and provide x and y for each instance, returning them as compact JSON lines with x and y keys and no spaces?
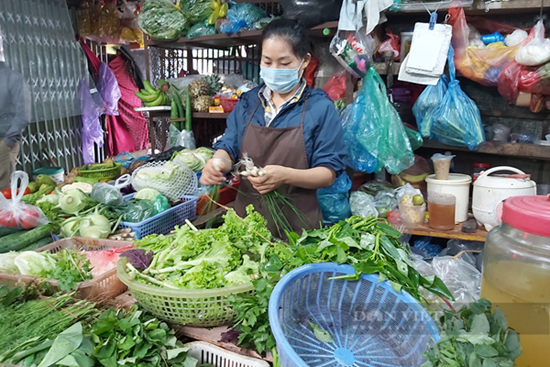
{"x":164,"y":222}
{"x":370,"y":323}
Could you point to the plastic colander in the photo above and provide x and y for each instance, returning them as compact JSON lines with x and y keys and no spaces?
{"x":370,"y":323}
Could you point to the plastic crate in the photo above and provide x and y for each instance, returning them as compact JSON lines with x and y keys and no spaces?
{"x":370,"y":323}
{"x":219,"y":357}
{"x":193,"y":307}
{"x":228,"y":104}
{"x":103,"y":287}
{"x":164,"y":222}
{"x":100,"y":174}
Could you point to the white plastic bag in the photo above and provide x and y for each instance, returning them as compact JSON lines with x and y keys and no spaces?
{"x":16,"y":214}
{"x":362,"y":204}
{"x":536,"y":52}
{"x":516,"y":37}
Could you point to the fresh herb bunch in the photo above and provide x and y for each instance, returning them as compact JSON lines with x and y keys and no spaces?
{"x":71,"y":267}
{"x":369,"y":244}
{"x":474,"y":337}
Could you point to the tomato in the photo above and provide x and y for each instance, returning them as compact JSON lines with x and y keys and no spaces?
{"x":7,"y":193}
{"x":7,"y":219}
{"x":393,"y":217}
{"x":27,"y":191}
{"x":29,"y":218}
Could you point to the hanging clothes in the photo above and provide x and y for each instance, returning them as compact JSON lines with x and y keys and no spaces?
{"x":128,"y":131}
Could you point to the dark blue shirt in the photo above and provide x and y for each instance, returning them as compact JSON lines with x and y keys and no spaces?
{"x":323,"y":135}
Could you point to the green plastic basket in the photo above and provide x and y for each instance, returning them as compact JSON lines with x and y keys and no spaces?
{"x":197,"y":307}
{"x":99,"y":174}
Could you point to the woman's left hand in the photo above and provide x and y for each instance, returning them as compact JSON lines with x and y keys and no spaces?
{"x":274,"y":177}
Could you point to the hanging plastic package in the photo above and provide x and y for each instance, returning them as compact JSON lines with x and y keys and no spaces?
{"x":335,"y":87}
{"x":509,"y":79}
{"x":311,"y":12}
{"x":16,"y":214}
{"x":480,"y":65}
{"x":457,"y":120}
{"x":380,"y":130}
{"x":390,"y":45}
{"x":161,"y":20}
{"x":353,"y":51}
{"x":108,"y":89}
{"x":334,"y":200}
{"x":535,"y":80}
{"x":92,"y":133}
{"x":427,"y":103}
{"x":359,"y":158}
{"x":242,"y":16}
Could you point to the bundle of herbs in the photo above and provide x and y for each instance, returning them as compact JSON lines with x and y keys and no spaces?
{"x":369,"y":244}
{"x":474,"y":337}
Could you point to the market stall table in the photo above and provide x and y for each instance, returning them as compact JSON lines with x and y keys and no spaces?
{"x":456,"y":233}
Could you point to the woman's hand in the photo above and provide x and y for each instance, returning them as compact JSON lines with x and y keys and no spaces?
{"x":274,"y":177}
{"x":212,"y":173}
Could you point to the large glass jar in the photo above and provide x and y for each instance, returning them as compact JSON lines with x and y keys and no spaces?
{"x":516,"y":274}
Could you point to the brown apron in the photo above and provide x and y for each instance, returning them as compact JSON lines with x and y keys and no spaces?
{"x":284,"y":147}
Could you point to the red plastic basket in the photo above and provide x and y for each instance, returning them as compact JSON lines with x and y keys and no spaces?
{"x":228,"y":104}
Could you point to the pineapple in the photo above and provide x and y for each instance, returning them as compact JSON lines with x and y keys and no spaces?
{"x":199,"y":88}
{"x":214,"y":82}
{"x":202,"y":103}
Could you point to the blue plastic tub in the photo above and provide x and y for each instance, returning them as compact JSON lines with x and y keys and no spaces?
{"x":370,"y":323}
{"x":164,"y":222}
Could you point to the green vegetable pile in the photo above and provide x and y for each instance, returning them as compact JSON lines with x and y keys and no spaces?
{"x":77,"y":335}
{"x":369,"y":244}
{"x":474,"y":337}
{"x":160,"y":19}
{"x":194,"y":159}
{"x":204,"y":259}
{"x":68,"y":266}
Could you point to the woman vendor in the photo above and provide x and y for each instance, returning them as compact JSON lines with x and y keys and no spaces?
{"x":291,"y":130}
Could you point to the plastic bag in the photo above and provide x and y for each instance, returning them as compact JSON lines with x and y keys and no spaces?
{"x":457,"y":120}
{"x":480,"y":65}
{"x":197,"y":11}
{"x":415,"y":175}
{"x":161,"y":20}
{"x":107,"y":194}
{"x":311,"y":12}
{"x":536,"y":52}
{"x":501,"y":133}
{"x":516,"y":37}
{"x":334,"y":200}
{"x":242,"y":16}
{"x":509,"y":78}
{"x":358,"y":157}
{"x":427,"y":103}
{"x":390,"y":45}
{"x":535,"y":80}
{"x":16,"y":214}
{"x":92,"y":133}
{"x":107,"y":86}
{"x":136,"y":211}
{"x":335,"y":87}
{"x":362,"y":204}
{"x":414,"y":138}
{"x":161,"y":204}
{"x":201,"y":29}
{"x":353,"y":51}
{"x":380,"y":130}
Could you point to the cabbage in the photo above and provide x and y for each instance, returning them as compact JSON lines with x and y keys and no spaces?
{"x":147,"y":194}
{"x":194,"y":159}
{"x":34,"y":263}
{"x":164,"y":172}
{"x":6,"y":263}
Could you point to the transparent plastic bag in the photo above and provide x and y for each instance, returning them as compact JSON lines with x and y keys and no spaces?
{"x":390,"y":45}
{"x":186,"y":139}
{"x":197,"y":11}
{"x":242,"y":16}
{"x":358,"y":157}
{"x":16,"y":214}
{"x":312,"y":12}
{"x":536,"y":52}
{"x":362,"y":204}
{"x":457,"y":120}
{"x":535,"y":80}
{"x":480,"y":65}
{"x":92,"y":133}
{"x":135,"y":211}
{"x":108,"y":89}
{"x":334,"y":200}
{"x":161,"y":20}
{"x":107,"y":194}
{"x":353,"y":50}
{"x":427,"y":103}
{"x":335,"y":87}
{"x":201,"y":29}
{"x":380,"y":130}
{"x":161,"y":204}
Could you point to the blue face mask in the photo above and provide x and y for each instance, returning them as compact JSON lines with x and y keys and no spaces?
{"x":280,"y":80}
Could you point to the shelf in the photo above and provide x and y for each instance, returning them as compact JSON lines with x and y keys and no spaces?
{"x":531,"y":151}
{"x":164,"y":111}
{"x":511,"y":6}
{"x":223,"y":41}
{"x":456,"y":233}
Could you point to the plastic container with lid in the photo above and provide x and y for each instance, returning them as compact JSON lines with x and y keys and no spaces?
{"x":516,"y":273}
{"x":478,"y":168}
{"x":456,"y":184}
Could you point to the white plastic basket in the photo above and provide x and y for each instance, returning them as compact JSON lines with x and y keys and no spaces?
{"x":219,"y":357}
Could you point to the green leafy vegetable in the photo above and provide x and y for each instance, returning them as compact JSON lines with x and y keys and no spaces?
{"x":147,"y":194}
{"x":320,"y":334}
{"x":474,"y":336}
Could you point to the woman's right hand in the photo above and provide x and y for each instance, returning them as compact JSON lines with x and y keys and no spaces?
{"x":212,"y":173}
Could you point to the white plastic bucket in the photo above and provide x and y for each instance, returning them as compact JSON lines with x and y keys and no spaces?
{"x":56,"y":173}
{"x":458,"y":185}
